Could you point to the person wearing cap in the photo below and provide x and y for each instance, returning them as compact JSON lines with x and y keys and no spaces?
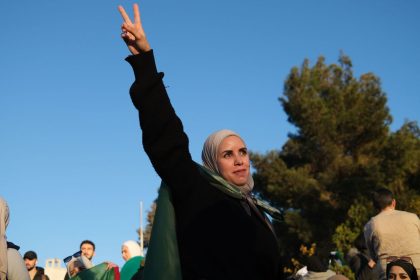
{"x":31,"y":260}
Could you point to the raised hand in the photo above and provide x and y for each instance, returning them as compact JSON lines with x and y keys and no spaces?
{"x":133,"y":33}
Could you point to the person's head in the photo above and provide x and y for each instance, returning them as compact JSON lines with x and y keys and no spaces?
{"x":88,"y":249}
{"x":75,"y":266}
{"x":338,"y":277}
{"x":225,"y":153}
{"x":317,"y":263}
{"x":382,"y":199}
{"x":401,"y":268}
{"x":30,"y":259}
{"x":130,"y":249}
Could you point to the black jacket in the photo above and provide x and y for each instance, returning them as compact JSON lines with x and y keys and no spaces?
{"x":217,"y":238}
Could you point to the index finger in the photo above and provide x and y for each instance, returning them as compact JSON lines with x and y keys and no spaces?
{"x":124,"y":15}
{"x":136,"y":14}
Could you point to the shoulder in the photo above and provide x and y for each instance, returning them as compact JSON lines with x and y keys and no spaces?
{"x":39,"y":270}
{"x":13,"y":254}
{"x":369,"y":225}
{"x":407,"y":215}
{"x":16,"y":266}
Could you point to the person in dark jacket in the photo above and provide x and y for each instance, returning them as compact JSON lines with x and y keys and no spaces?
{"x":31,"y":260}
{"x":219,"y":236}
{"x":360,"y":261}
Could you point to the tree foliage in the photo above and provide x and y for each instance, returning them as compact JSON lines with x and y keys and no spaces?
{"x":148,"y":231}
{"x":342,"y":150}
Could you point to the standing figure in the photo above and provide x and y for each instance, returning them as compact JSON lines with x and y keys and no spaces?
{"x":392,"y":232}
{"x":222,"y":232}
{"x":131,"y":253}
{"x":12,"y":266}
{"x":31,"y":261}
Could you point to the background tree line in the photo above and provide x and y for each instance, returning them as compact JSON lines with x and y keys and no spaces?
{"x":342,"y":150}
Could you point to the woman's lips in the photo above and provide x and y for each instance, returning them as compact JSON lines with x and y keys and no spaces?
{"x":240,"y":172}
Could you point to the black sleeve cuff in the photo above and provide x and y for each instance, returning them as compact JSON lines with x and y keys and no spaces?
{"x":143,"y":65}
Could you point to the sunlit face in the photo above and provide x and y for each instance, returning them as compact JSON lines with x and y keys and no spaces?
{"x":233,"y":160}
{"x":397,"y":273}
{"x":125,"y":253}
{"x":30,"y":264}
{"x":87,"y":250}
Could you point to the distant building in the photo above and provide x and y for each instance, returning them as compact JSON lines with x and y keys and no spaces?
{"x":54,"y":270}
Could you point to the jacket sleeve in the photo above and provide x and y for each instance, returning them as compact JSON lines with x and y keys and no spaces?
{"x":163,"y":136}
{"x":16,"y":269}
{"x":372,"y":243}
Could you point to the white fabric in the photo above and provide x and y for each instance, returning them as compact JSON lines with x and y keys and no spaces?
{"x":133,"y":248}
{"x":4,"y":221}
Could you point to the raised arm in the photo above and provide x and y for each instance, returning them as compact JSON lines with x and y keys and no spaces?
{"x":163,"y":135}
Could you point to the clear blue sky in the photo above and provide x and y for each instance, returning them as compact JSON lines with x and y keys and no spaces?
{"x":71,"y":162}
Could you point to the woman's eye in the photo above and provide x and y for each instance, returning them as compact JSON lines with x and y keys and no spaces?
{"x":227,"y":155}
{"x":243,"y":152}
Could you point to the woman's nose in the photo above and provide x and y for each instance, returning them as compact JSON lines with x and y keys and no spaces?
{"x":238,"y":160}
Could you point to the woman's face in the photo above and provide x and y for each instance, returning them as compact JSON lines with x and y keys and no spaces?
{"x":233,"y":160}
{"x":397,"y":273}
{"x":125,"y":253}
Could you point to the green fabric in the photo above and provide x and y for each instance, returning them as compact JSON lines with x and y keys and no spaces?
{"x":130,"y":268}
{"x":162,"y":260}
{"x":233,"y":191}
{"x":98,"y":272}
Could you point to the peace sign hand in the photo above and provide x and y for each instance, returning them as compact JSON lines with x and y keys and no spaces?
{"x":133,"y":33}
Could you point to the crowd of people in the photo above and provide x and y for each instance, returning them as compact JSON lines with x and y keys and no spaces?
{"x":203,"y":200}
{"x":15,"y":267}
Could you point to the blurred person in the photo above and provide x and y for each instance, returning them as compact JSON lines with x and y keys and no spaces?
{"x":360,"y":262}
{"x":79,"y":267}
{"x":243,"y":245}
{"x":31,"y":260}
{"x":132,"y":255}
{"x":338,"y":277}
{"x":87,"y":249}
{"x":400,"y":268}
{"x":318,"y":268}
{"x":12,"y":266}
{"x":392,"y":232}
{"x":76,"y":263}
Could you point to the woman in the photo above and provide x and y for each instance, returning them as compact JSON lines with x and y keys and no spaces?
{"x":131,"y":253}
{"x":12,"y":266}
{"x":401,"y":268}
{"x":221,"y":233}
